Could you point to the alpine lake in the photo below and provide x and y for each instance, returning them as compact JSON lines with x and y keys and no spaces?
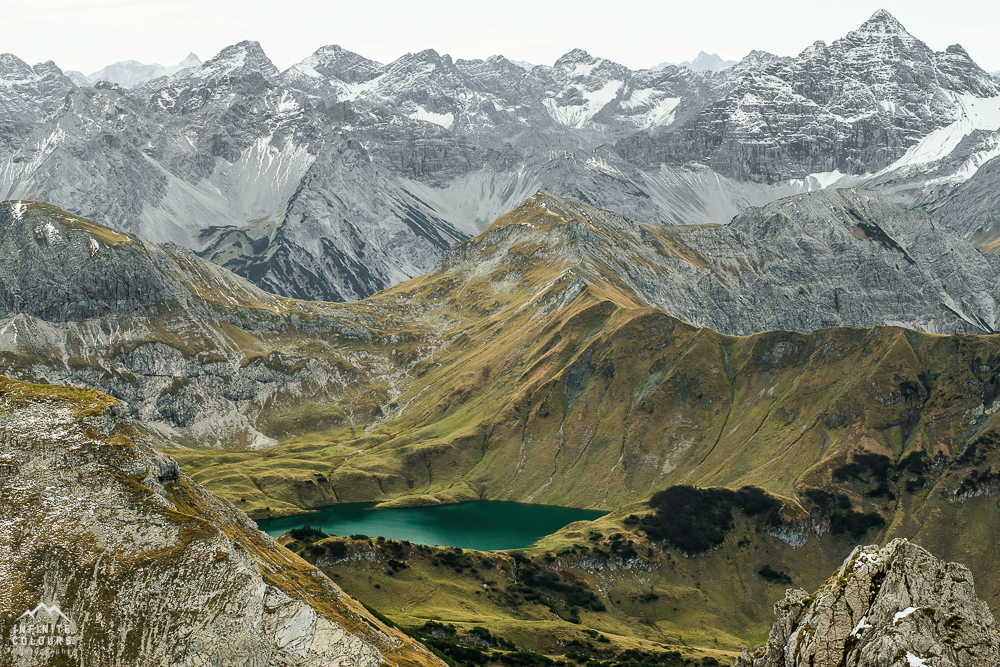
{"x":483,"y":525}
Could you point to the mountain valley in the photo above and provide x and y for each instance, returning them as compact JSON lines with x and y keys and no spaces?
{"x":748,"y":310}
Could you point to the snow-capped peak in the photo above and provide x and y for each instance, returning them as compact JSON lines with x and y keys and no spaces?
{"x":13,"y":68}
{"x":575,"y":57}
{"x":882,"y":26}
{"x":242,"y":58}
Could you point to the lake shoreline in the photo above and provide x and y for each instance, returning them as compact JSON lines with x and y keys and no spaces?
{"x":480,"y":524}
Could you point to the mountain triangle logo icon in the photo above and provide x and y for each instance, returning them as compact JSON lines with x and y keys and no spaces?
{"x":54,"y":611}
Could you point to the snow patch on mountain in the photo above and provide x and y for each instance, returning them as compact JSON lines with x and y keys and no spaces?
{"x":581,"y":108}
{"x":445,"y":120}
{"x":264,"y":176}
{"x":662,"y":113}
{"x":973,"y":113}
{"x":824,"y":180}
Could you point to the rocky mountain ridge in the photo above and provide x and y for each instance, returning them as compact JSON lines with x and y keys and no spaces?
{"x":831,"y":258}
{"x":142,"y":565}
{"x":167,"y":331}
{"x":854,"y":107}
{"x":309,"y":182}
{"x":894,"y":606}
{"x":578,"y":102}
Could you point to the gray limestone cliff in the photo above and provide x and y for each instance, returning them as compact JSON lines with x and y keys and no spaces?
{"x":895,"y":606}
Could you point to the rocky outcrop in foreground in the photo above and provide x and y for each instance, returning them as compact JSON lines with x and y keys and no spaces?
{"x":895,"y":606}
{"x":111,"y":556}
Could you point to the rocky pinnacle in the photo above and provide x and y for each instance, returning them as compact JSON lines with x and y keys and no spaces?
{"x":895,"y":606}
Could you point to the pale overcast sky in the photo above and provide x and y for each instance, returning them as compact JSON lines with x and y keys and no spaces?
{"x":88,"y":34}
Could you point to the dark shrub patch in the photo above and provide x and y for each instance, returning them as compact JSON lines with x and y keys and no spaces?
{"x":307,"y":534}
{"x":843,"y":517}
{"x":774,"y":576}
{"x":537,"y":584}
{"x":695,"y":520}
{"x":854,"y":523}
{"x":334,"y":549}
{"x":874,"y":467}
{"x":828,"y":501}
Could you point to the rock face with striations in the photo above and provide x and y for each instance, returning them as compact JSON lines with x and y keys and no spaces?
{"x":112,"y":556}
{"x":896,"y":606}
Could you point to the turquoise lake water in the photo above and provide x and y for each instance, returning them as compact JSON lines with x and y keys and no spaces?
{"x":482,"y":525}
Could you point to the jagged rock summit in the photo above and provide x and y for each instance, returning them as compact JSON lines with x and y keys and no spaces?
{"x":30,"y":92}
{"x":895,"y":606}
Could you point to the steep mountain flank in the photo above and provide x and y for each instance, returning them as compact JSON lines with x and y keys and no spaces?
{"x":895,"y":606}
{"x":132,"y":563}
{"x":973,"y":209}
{"x":838,"y":258}
{"x":196,"y":351}
{"x":62,"y":268}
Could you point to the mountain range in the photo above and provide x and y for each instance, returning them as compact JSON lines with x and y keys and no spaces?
{"x":703,"y":62}
{"x":132,"y":73}
{"x":750,"y":312}
{"x":308,"y":181}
